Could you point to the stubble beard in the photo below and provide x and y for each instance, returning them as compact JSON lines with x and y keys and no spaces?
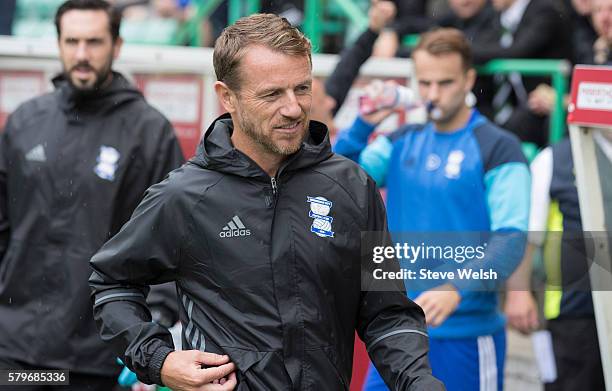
{"x":266,"y":142}
{"x":101,"y":77}
{"x":447,"y":116}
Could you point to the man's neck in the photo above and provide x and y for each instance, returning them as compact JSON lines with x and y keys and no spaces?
{"x":457,"y":122}
{"x":108,"y":81}
{"x":269,"y":162}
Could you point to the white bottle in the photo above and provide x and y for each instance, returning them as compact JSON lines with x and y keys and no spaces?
{"x":387,"y":95}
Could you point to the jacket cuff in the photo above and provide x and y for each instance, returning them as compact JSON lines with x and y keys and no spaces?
{"x":156,"y":363}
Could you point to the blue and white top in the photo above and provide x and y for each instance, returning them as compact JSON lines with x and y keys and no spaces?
{"x":472,"y":179}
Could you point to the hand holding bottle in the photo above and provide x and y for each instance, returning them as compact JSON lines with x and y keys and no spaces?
{"x":382,"y":98}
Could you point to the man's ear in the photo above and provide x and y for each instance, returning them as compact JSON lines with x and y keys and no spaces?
{"x":117,"y":47}
{"x":226,"y":96}
{"x":471,"y":79}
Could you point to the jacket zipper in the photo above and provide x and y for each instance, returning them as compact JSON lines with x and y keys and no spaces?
{"x":274,"y":188}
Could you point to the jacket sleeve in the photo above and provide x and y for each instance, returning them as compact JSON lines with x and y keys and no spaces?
{"x":168,"y":156}
{"x":5,"y":229}
{"x":146,"y":251}
{"x":340,"y":81}
{"x":374,"y":157}
{"x":162,"y":299}
{"x":391,"y":325}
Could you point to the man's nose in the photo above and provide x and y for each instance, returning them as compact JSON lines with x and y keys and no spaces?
{"x":433,"y":93}
{"x":81,"y":52}
{"x":291,"y":107}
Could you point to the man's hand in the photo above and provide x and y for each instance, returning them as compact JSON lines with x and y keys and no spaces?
{"x":386,"y":45}
{"x":381,"y":13}
{"x":182,"y":371}
{"x":542,"y":99}
{"x":438,"y":303}
{"x":521,"y":310}
{"x":377,"y":117}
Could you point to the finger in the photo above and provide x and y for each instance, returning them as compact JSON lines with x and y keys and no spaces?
{"x":212,"y":359}
{"x":425,"y":302}
{"x":521,"y":325}
{"x":513,"y":321}
{"x":533,"y":320}
{"x":213,"y":387}
{"x":388,"y":8}
{"x":434,"y":316}
{"x":427,"y":308}
{"x":439,"y":319}
{"x":421,"y":299}
{"x":210,"y":374}
{"x":231,"y":382}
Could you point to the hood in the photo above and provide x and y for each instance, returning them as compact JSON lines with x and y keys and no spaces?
{"x":217,"y":153}
{"x":101,"y":101}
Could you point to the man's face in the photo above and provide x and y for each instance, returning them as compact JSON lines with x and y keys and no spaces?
{"x":465,"y":9}
{"x":602,"y":18}
{"x":582,"y":7}
{"x":86,"y":48}
{"x":274,"y":99}
{"x":444,"y":83}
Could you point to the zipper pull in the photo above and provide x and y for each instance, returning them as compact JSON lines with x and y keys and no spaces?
{"x":274,"y":188}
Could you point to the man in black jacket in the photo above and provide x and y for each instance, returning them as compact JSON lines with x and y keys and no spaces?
{"x":74,"y":164}
{"x":524,"y":29}
{"x":262,"y":233}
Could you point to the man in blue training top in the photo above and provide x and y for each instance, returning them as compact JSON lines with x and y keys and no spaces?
{"x":456,"y":173}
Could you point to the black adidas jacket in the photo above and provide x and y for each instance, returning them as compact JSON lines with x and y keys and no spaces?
{"x":259,"y":278}
{"x":72,"y":170}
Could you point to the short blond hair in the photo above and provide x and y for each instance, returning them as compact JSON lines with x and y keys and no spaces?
{"x":267,"y":30}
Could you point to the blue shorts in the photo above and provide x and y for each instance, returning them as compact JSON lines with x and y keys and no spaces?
{"x":464,"y":364}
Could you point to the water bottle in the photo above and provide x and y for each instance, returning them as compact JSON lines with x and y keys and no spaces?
{"x":381,"y":95}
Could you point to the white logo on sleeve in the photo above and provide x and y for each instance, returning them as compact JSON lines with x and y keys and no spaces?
{"x":107,"y":163}
{"x":234,"y":228}
{"x":37,"y":154}
{"x":319,"y":211}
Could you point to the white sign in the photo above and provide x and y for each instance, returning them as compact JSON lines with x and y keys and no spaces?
{"x":14,"y":90}
{"x":177,"y":100}
{"x":594,"y":96}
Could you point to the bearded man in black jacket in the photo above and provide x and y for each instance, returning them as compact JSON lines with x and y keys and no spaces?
{"x":261,"y":230}
{"x":74,"y":163}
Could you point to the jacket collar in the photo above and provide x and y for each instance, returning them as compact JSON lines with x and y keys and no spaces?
{"x":118,"y":92}
{"x":216,"y":151}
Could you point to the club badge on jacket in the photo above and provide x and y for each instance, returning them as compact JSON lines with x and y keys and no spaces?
{"x":107,"y":163}
{"x":319,"y":211}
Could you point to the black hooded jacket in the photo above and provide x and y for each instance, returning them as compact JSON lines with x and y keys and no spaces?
{"x":72,"y":170}
{"x":258,"y":277}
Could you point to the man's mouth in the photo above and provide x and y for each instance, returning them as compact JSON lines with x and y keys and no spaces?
{"x":289,"y":127}
{"x":82,"y":71}
{"x":435,"y":113}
